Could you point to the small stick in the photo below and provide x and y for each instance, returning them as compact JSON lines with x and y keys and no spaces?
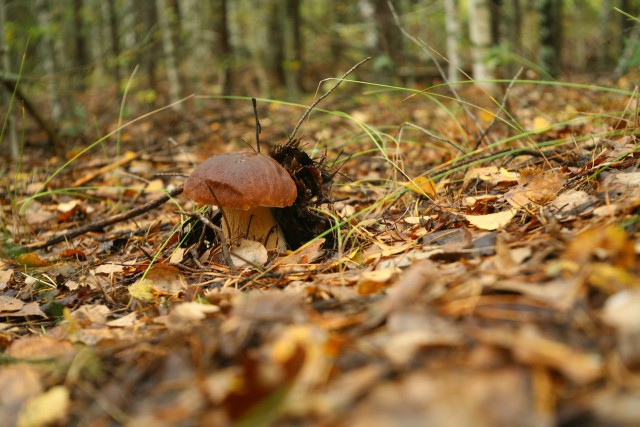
{"x":317,"y":101}
{"x":223,"y":241}
{"x":95,"y":226}
{"x":258,"y":127}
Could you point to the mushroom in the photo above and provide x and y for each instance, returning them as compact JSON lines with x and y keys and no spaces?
{"x":245,"y":186}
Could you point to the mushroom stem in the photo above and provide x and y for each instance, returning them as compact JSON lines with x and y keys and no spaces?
{"x":253,"y":224}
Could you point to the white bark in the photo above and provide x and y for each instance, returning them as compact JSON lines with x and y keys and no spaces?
{"x":452,"y":29}
{"x":48,"y":59}
{"x":168,"y":49}
{"x":370,"y":36}
{"x":480,"y":35}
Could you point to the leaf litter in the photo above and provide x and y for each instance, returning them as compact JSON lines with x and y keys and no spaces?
{"x":500,"y":289}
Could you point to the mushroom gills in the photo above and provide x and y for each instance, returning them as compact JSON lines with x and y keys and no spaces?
{"x":256,"y":224}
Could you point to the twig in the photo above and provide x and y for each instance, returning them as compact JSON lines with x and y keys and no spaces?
{"x":127,"y":158}
{"x":317,"y":101}
{"x":95,"y":226}
{"x":223,"y":241}
{"x":258,"y":127}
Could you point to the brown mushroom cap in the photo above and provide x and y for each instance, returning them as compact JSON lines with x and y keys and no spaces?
{"x":241,"y":181}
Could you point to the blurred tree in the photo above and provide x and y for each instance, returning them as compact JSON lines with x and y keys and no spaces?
{"x":47,"y":54}
{"x":110,"y":14}
{"x":165,"y":13}
{"x":5,"y":96}
{"x":480,"y":34}
{"x":147,"y":16}
{"x":550,"y":30}
{"x":452,"y":28}
{"x":223,"y":51}
{"x":390,"y":53}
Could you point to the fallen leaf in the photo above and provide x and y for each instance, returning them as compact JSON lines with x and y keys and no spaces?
{"x":536,"y":187}
{"x":572,"y":202}
{"x":18,"y":383}
{"x":142,"y":290}
{"x":492,"y":175}
{"x":31,"y":259}
{"x":48,"y":408}
{"x":5,"y":276}
{"x":165,"y":279}
{"x":124,"y":321}
{"x":10,"y":304}
{"x":423,"y":186}
{"x":371,"y":282}
{"x":492,"y":221}
{"x":539,"y":124}
{"x":249,"y":253}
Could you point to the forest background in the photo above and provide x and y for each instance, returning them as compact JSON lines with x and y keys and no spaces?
{"x":75,"y":58}
{"x":472,"y":194}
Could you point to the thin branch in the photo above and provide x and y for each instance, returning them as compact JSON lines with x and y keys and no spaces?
{"x":258,"y":127}
{"x":223,"y":241}
{"x":98,"y":225}
{"x":317,"y":101}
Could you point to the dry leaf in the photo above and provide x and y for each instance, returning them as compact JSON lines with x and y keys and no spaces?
{"x":249,"y":253}
{"x":423,"y":186}
{"x":8,"y":304}
{"x":18,"y":384}
{"x":572,"y":202}
{"x":371,"y":282}
{"x":5,"y":276}
{"x":51,"y":407}
{"x":492,"y":221}
{"x":165,"y":279}
{"x":142,"y":290}
{"x":535,"y":187}
{"x":492,"y":175}
{"x":31,"y":260}
{"x":539,"y":124}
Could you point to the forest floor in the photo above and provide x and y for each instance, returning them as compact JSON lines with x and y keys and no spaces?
{"x":489,"y":286}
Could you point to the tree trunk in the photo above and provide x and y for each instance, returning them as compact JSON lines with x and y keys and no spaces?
{"x":195,"y":16}
{"x":480,"y":34}
{"x":48,"y":59}
{"x":390,"y":36}
{"x":277,"y":43}
{"x":128,"y":31}
{"x":79,"y":37}
{"x":550,"y":31}
{"x":110,"y":14}
{"x":5,"y":96}
{"x":225,"y":52}
{"x":452,"y":29}
{"x":168,"y":50}
{"x":148,"y":17}
{"x":295,"y":60}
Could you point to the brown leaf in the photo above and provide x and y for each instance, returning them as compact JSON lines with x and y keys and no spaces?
{"x":31,"y":259}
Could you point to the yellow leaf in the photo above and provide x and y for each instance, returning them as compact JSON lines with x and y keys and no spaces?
{"x":422,"y":186}
{"x":50,"y":407}
{"x":142,"y":290}
{"x":492,"y":221}
{"x":539,"y":124}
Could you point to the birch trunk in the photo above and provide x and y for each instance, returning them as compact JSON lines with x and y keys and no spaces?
{"x":480,"y":35}
{"x":168,"y":50}
{"x":452,"y":29}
